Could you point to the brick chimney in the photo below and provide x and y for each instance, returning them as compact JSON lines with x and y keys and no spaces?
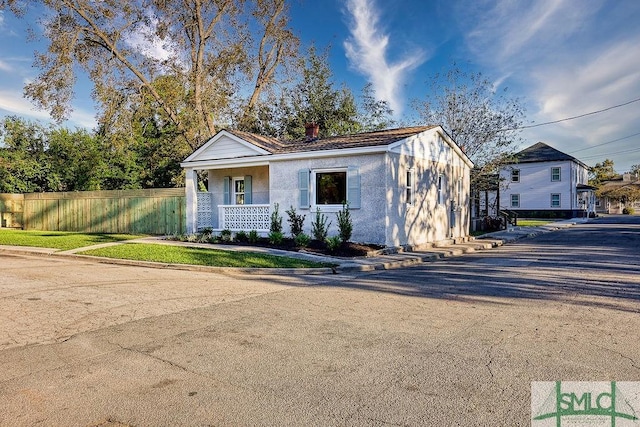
{"x":311,"y":131}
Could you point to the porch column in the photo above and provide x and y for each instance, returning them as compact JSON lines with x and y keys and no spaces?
{"x":190,"y":188}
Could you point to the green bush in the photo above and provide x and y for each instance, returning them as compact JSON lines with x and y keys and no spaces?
{"x":345,"y":224}
{"x":225,"y":236}
{"x":628,"y":211}
{"x":253,"y":237}
{"x":296,"y":222}
{"x":333,"y":243}
{"x":276,"y":238}
{"x":241,"y":236}
{"x":302,"y":240}
{"x":319,"y":226}
{"x":276,"y":220}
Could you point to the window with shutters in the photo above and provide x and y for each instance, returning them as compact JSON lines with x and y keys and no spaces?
{"x":329,"y":189}
{"x":238,"y":191}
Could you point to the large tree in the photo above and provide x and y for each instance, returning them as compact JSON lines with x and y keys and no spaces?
{"x":483,"y":121}
{"x":316,"y":99}
{"x":188,"y":58}
{"x":602,"y":171}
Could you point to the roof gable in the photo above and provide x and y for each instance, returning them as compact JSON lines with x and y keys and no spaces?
{"x":226,"y":145}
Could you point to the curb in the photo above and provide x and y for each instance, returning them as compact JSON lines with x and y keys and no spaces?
{"x":365,"y":264}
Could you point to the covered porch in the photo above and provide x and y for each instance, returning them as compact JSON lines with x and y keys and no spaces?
{"x":235,"y":199}
{"x":586,"y":200}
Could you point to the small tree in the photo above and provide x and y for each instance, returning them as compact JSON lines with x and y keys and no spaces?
{"x":345,"y":224}
{"x":296,"y":222}
{"x":276,"y":220}
{"x":319,"y":226}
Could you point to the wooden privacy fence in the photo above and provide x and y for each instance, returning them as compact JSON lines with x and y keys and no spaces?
{"x":152,"y":211}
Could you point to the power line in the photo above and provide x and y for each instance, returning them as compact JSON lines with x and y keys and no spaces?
{"x":605,"y":143}
{"x":632,"y":150}
{"x":574,"y":117}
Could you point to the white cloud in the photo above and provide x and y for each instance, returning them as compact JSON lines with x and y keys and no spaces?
{"x":367,"y":48}
{"x":568,"y":60}
{"x":143,"y":39}
{"x":5,"y":66}
{"x":13,"y":103}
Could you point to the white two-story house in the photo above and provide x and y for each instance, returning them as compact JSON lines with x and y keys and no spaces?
{"x":548,"y":183}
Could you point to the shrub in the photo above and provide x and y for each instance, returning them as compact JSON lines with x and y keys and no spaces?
{"x":225,"y":236}
{"x":253,"y":237}
{"x":319,"y":227}
{"x":241,"y":236}
{"x":628,"y":211}
{"x":296,"y":222}
{"x":276,"y":220}
{"x":302,"y":240}
{"x":345,"y":224}
{"x":276,"y":237}
{"x":333,"y":243}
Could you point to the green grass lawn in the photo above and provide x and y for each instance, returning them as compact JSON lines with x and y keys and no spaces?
{"x":198,"y":256}
{"x":534,"y":222}
{"x":58,"y":239}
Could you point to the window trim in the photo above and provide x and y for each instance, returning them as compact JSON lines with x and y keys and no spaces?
{"x":517,"y":172}
{"x":517,"y":204}
{"x":410,"y":184}
{"x":313,"y":189}
{"x":559,"y":169}
{"x":440,"y":188}
{"x":559,"y":200}
{"x":235,"y":193}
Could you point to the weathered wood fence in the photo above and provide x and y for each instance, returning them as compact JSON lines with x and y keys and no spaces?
{"x":151,"y":211}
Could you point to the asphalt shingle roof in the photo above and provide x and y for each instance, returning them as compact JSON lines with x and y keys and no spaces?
{"x":367,"y":139}
{"x":542,"y":152}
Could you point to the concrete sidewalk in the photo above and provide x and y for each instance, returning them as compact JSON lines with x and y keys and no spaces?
{"x":386,"y":260}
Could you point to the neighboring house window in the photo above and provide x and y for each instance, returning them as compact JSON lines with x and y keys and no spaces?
{"x":555,"y":174}
{"x":515,"y":200}
{"x":555,"y":200}
{"x":331,"y":188}
{"x":515,"y":175}
{"x":598,"y":202}
{"x":409,"y":189}
{"x":460,"y":193}
{"x":238,"y":191}
{"x":440,"y":189}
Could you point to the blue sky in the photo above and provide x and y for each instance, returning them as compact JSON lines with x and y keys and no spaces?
{"x":564,"y":58}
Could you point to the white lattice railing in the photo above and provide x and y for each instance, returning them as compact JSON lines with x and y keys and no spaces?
{"x":205,"y":210}
{"x":244,"y":217}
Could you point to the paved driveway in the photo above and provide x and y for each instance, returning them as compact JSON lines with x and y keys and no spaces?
{"x":455,"y":342}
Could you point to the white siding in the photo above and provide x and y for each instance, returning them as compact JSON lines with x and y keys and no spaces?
{"x":226,"y":148}
{"x":535,"y":186}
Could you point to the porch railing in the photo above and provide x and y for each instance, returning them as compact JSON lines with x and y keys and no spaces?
{"x":244,"y":217}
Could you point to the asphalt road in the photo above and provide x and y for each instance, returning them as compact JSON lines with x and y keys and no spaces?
{"x":454,"y":342}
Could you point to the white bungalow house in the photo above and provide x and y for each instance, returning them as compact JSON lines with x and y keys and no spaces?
{"x":406,"y":186}
{"x":546,"y":182}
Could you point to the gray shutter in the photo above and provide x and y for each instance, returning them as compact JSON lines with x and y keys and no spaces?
{"x":226,"y":182}
{"x":247,"y":190}
{"x":303,"y":188}
{"x":353,"y":187}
